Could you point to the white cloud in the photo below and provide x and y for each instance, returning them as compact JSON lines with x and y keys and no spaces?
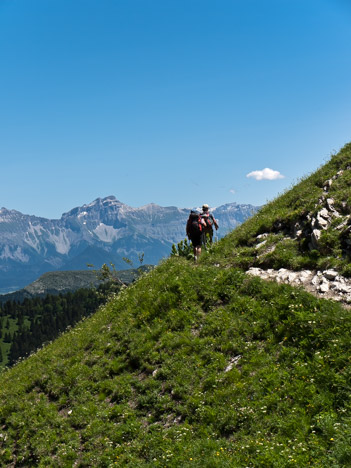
{"x":232,"y":191}
{"x":266,"y":174}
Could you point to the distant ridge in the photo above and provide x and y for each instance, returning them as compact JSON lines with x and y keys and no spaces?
{"x":103,"y":231}
{"x":61,"y":282}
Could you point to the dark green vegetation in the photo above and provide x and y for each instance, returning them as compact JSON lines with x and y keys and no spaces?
{"x":193,"y":365}
{"x":34,"y":317}
{"x":25,"y":326}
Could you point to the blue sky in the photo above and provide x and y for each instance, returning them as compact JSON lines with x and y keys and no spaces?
{"x":170,"y":102}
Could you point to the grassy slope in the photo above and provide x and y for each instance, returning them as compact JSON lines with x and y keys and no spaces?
{"x":190,"y":366}
{"x":278,"y":218}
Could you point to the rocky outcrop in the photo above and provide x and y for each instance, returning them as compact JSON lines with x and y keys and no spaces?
{"x":308,"y":232}
{"x":325,"y":215}
{"x":328,"y":283}
{"x":311,"y":226}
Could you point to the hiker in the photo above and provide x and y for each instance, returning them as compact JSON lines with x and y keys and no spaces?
{"x":194,"y":228}
{"x":208,"y":221}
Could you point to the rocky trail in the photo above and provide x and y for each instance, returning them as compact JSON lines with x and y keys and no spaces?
{"x":327,"y":284}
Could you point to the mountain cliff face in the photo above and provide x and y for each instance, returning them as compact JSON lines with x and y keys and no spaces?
{"x":103,"y":231}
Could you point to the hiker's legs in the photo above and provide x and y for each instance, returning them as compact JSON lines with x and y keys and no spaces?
{"x":197,"y":252}
{"x":203,"y":239}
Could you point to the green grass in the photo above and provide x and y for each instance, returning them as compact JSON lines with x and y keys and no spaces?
{"x":195,"y":366}
{"x":279,"y":217}
{"x":144,"y":382}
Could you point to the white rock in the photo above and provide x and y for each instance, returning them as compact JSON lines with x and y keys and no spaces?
{"x":330,"y":204}
{"x":292,"y":277}
{"x":232,"y":362}
{"x":330,"y":274}
{"x":324,"y":213}
{"x":324,"y":287}
{"x":262,"y":236}
{"x":254,"y":271}
{"x":344,"y":288}
{"x":315,"y":236}
{"x":343,"y":224}
{"x":327,"y":184}
{"x":315,"y":280}
{"x":323,"y":221}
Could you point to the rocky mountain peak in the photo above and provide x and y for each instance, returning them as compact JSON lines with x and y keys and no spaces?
{"x":103,"y":231}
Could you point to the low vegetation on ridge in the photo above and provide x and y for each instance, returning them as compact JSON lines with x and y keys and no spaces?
{"x":290,"y":222}
{"x":194,"y":365}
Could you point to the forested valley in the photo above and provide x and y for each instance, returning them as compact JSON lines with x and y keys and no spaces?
{"x":26,"y":326}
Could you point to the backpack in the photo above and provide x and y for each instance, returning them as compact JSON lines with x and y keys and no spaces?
{"x":207,"y":219}
{"x":195,"y":224}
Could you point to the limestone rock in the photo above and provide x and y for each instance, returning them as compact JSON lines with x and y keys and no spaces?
{"x":315,"y":236}
{"x":323,"y":218}
{"x":315,"y":280}
{"x":328,"y":283}
{"x":324,"y":286}
{"x":327,"y":184}
{"x":330,"y":274}
{"x":262,"y":236}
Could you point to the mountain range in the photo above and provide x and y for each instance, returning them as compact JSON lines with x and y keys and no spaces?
{"x":103,"y":231}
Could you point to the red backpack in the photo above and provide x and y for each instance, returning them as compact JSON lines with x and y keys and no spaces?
{"x":195,"y":223}
{"x":207,"y":219}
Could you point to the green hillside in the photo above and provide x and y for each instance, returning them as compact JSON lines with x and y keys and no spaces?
{"x":307,"y":227}
{"x":200,"y":364}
